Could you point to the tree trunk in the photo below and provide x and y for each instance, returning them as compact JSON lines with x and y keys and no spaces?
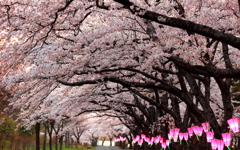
{"x":24,"y":146}
{"x":66,"y":137}
{"x":67,"y":140}
{"x":37,"y":130}
{"x":238,"y":143}
{"x":71,"y":142}
{"x":61,"y":142}
{"x":103,"y":141}
{"x":110,"y":141}
{"x":17,"y":146}
{"x":78,"y":140}
{"x":50,"y":141}
{"x":45,"y":137}
{"x":56,"y":138}
{"x":50,"y":129}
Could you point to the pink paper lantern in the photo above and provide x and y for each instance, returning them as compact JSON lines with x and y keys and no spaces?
{"x":214,"y":144}
{"x":122,"y":138}
{"x":220,"y":144}
{"x":190,"y":131}
{"x":167,"y":142}
{"x":175,"y":134}
{"x":233,"y":124}
{"x":176,"y":131}
{"x":185,"y":136}
{"x":171,"y":132}
{"x":150,"y":142}
{"x":175,"y":138}
{"x":143,"y":136}
{"x":161,"y":140}
{"x":205,"y":126}
{"x":146,"y":139}
{"x":180,"y":136}
{"x":170,"y":136}
{"x":227,"y":137}
{"x":210,"y":136}
{"x":116,"y":140}
{"x":140,"y":141}
{"x":157,"y":139}
{"x":152,"y":139}
{"x":136,"y":138}
{"x":197,"y":130}
{"x":164,"y":145}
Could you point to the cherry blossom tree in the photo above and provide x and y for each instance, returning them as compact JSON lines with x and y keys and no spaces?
{"x":175,"y":56}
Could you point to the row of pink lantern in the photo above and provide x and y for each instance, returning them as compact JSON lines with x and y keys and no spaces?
{"x":120,"y":139}
{"x":158,"y":139}
{"x":175,"y":135}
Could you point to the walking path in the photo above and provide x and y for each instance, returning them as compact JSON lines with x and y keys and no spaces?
{"x":107,"y":148}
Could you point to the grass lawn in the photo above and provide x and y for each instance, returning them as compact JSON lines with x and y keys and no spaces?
{"x":80,"y":147}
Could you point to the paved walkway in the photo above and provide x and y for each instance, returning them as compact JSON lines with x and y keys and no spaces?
{"x":107,"y":148}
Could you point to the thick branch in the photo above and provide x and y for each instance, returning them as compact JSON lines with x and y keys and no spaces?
{"x":209,"y":71}
{"x":183,"y":24}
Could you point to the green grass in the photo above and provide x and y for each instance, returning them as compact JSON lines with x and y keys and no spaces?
{"x":80,"y":147}
{"x":118,"y":147}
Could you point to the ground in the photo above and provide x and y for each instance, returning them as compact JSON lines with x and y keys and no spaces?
{"x":107,"y":148}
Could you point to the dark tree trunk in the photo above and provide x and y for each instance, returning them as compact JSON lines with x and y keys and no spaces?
{"x":45,"y":137}
{"x":50,"y":141}
{"x":61,"y":142}
{"x":78,"y":140}
{"x":50,"y":129}
{"x":67,"y":140}
{"x":56,"y":138}
{"x":103,"y":141}
{"x":37,"y":130}
{"x":110,"y":141}
{"x":238,"y":143}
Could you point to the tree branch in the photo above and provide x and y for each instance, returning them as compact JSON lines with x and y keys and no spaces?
{"x":183,"y":24}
